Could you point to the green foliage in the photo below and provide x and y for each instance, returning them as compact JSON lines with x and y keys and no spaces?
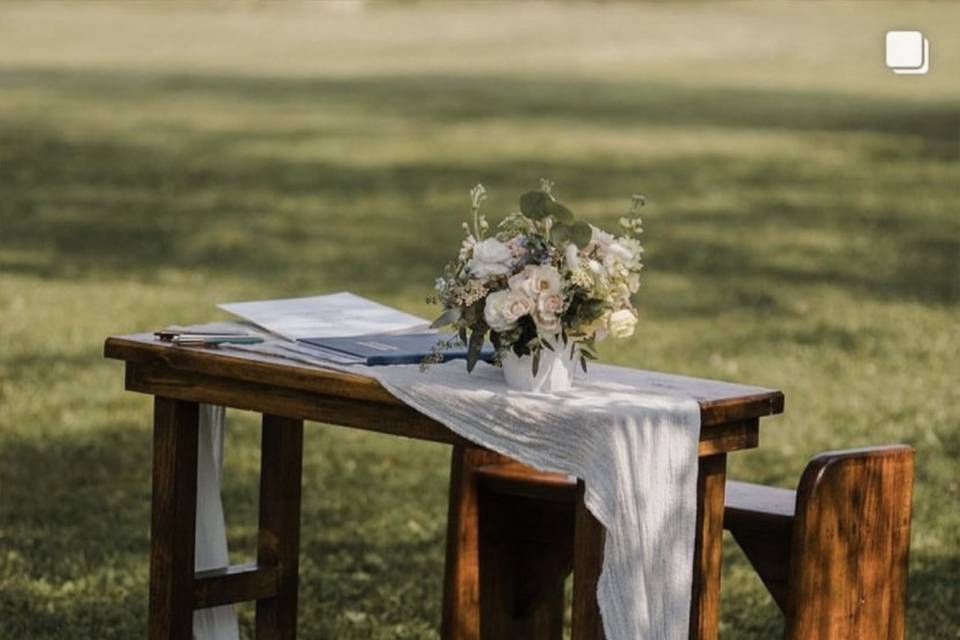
{"x":534,"y":205}
{"x":802,"y":235}
{"x":475,"y":346}
{"x":579,"y":233}
{"x":538,"y":205}
{"x":449,"y":316}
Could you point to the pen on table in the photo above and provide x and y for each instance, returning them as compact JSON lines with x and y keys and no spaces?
{"x":170,"y":334}
{"x":203,"y":340}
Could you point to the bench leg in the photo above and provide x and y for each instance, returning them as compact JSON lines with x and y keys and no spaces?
{"x":708,"y":549}
{"x":279,"y":539}
{"x":461,"y":581}
{"x":173,"y":520}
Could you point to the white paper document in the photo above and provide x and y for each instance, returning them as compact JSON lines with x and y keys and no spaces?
{"x":329,"y":316}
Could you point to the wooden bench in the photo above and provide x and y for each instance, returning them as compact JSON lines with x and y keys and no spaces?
{"x":833,"y":554}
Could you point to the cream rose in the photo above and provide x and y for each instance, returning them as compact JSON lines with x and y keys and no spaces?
{"x":494,"y":311}
{"x":516,"y":247}
{"x":550,"y":305}
{"x":490,"y":258}
{"x":536,"y":281}
{"x":599,"y":238}
{"x":545,"y":280}
{"x":516,"y":305}
{"x":622,"y":323}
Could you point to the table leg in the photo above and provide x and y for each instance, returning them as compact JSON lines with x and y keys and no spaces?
{"x":461,"y":580}
{"x":173,"y":523}
{"x":279,"y":540}
{"x":708,"y":552}
{"x":589,"y":536}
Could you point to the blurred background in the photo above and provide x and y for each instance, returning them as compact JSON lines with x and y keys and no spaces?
{"x":155,"y":159}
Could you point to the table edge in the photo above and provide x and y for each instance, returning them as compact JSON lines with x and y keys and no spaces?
{"x":353,"y":386}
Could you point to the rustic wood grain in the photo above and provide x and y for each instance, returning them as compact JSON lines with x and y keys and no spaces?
{"x":173,"y":523}
{"x":850,"y":546}
{"x":589,"y":537}
{"x":236,"y":583}
{"x":708,"y":548}
{"x":760,"y":518}
{"x":834,"y":553}
{"x":262,"y":397}
{"x":401,"y":420}
{"x":279,"y":539}
{"x":721,"y":403}
{"x":461,"y":584}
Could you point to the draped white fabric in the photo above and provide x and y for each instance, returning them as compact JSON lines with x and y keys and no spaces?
{"x":629,"y":434}
{"x":633,"y":444}
{"x":215,"y":623}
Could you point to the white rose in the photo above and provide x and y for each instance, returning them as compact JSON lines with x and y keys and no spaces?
{"x":516,"y":305}
{"x":622,"y":323}
{"x":490,"y":258}
{"x":614,"y":266}
{"x":599,"y":238}
{"x":523,"y":283}
{"x":516,"y":247}
{"x":545,"y":280}
{"x":550,"y":304}
{"x":494,"y":311}
{"x":618,"y":250}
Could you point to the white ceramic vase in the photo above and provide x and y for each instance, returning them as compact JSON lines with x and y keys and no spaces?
{"x":555,"y":373}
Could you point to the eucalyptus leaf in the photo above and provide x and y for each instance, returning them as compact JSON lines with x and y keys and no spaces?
{"x":546,"y":343}
{"x":536,"y":362}
{"x":474,"y":348}
{"x":580,"y":233}
{"x":559,"y":234}
{"x":449,"y":316}
{"x":559,"y":212}
{"x":534,"y":205}
{"x":583,"y":364}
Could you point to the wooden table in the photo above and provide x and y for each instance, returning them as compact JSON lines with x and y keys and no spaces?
{"x":288,"y":393}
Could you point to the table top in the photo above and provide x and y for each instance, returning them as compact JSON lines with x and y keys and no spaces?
{"x":720,"y":402}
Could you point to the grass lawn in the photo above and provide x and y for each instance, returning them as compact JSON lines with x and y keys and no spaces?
{"x":802,"y":233}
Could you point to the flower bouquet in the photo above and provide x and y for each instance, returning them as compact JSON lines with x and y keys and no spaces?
{"x":544,"y":286}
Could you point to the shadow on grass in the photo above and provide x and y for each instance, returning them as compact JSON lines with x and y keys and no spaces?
{"x":449,"y":98}
{"x":74,"y":531}
{"x":91,"y":209}
{"x":749,"y":610}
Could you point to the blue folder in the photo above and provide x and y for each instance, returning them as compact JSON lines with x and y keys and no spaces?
{"x":384,"y":349}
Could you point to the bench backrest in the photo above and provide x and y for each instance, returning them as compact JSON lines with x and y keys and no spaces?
{"x":851,"y":539}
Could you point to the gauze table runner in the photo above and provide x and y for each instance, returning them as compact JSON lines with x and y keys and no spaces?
{"x":629,"y":435}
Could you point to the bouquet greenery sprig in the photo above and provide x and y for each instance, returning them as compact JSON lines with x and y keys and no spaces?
{"x":542,"y":280}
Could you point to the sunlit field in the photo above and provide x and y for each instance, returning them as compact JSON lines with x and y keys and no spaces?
{"x":802,"y":232}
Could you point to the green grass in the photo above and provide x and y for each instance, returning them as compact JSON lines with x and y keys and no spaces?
{"x":802,"y":233}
